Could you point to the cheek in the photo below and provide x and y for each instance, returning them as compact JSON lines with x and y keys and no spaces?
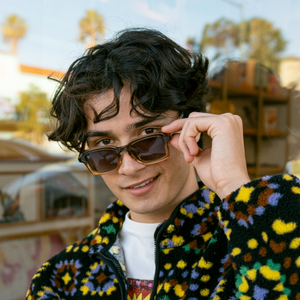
{"x":110,"y":181}
{"x":176,"y":163}
{"x":176,"y":155}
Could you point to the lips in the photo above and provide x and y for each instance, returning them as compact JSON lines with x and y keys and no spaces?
{"x":140,"y":184}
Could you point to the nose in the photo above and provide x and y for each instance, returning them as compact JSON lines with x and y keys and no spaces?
{"x":129,"y":166}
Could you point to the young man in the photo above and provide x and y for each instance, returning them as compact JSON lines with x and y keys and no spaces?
{"x":133,"y":109}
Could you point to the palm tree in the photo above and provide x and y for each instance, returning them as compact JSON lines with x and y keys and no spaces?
{"x":13,"y":29}
{"x":92,"y":28}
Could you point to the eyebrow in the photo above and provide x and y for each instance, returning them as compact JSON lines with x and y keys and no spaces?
{"x":93,"y":133}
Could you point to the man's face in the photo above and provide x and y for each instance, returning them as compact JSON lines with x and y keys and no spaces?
{"x":167,"y":182}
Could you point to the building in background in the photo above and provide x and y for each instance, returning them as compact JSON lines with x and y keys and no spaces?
{"x":16,"y":78}
{"x":20,"y":85}
{"x":289,"y":72}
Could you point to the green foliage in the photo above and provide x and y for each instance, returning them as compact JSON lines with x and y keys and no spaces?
{"x":264,"y":42}
{"x":34,"y":106}
{"x":223,"y":35}
{"x":256,"y":38}
{"x":13,"y":29}
{"x":92,"y":28}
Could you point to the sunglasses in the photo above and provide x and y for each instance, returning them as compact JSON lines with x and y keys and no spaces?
{"x":146,"y":150}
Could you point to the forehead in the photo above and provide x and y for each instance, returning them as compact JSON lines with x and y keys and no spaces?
{"x":101,"y":102}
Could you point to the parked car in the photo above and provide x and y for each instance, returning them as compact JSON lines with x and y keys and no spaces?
{"x":18,"y":156}
{"x":24,"y":151}
{"x":64,"y":189}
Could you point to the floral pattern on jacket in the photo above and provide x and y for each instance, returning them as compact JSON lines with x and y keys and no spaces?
{"x":244,"y":247}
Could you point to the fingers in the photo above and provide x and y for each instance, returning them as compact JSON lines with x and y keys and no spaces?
{"x":221,"y":126}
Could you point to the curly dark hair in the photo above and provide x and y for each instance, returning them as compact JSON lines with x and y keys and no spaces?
{"x":162,"y":76}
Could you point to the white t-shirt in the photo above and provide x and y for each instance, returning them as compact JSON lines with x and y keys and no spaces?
{"x":137,"y":240}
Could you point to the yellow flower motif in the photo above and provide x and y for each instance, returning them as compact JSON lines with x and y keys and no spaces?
{"x":66,"y":278}
{"x":84,"y":290}
{"x":183,"y":211}
{"x":205,"y":264}
{"x":280,"y":227}
{"x":164,"y":242}
{"x":204,"y":292}
{"x":251,"y":274}
{"x":94,"y":266}
{"x":295,"y":243}
{"x":159,"y":288}
{"x":295,"y":190}
{"x":85,"y":280}
{"x":98,"y":239}
{"x":167,"y":251}
{"x":179,"y":291}
{"x":212,"y":196}
{"x":190,"y":215}
{"x":181,"y":264}
{"x":106,"y":240}
{"x":200,"y":211}
{"x":244,"y":287}
{"x":104,"y":218}
{"x":69,"y":248}
{"x":283,"y":297}
{"x":168,"y":266}
{"x":279,"y":287}
{"x":167,"y":287}
{"x":94,"y":231}
{"x":110,"y":290}
{"x":205,"y":278}
{"x":252,"y":244}
{"x":36,"y":275}
{"x":170,"y":228}
{"x":207,"y":236}
{"x":269,"y":274}
{"x":265,"y":237}
{"x":120,"y":203}
{"x":236,"y":251}
{"x":244,"y":194}
{"x":228,"y":232}
{"x":243,"y":297}
{"x":287,"y":177}
{"x":115,"y":220}
{"x":298,"y":262}
{"x":222,"y":281}
{"x":177,"y":240}
{"x":85,"y":248}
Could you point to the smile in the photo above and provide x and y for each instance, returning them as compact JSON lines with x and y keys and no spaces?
{"x":143,"y":184}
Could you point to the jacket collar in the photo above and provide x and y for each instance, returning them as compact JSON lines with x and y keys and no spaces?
{"x":195,"y":216}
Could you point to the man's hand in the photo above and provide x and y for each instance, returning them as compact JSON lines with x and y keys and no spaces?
{"x":221,"y":167}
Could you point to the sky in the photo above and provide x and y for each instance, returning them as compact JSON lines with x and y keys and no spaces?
{"x":53,"y":25}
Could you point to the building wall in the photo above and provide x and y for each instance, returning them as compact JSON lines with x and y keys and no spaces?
{"x":289,"y":72}
{"x":16,"y":78}
{"x":9,"y":76}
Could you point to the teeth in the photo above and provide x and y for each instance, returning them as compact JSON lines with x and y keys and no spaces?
{"x":143,"y":184}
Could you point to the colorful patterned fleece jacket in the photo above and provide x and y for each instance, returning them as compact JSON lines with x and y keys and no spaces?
{"x":244,"y":247}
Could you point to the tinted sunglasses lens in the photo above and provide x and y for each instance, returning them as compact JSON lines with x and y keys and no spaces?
{"x":102,"y":161}
{"x":150,"y":149}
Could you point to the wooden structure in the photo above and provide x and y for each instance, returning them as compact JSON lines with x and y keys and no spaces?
{"x":260,"y":99}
